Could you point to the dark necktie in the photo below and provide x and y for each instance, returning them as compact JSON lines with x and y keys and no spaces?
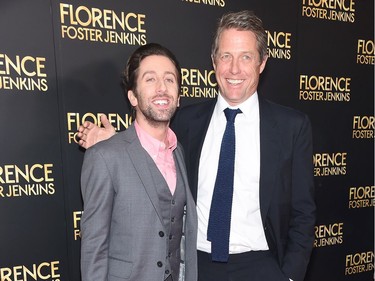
{"x":221,"y":205}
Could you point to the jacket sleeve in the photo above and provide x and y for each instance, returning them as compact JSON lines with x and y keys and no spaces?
{"x":98,"y":194}
{"x":302,"y":218}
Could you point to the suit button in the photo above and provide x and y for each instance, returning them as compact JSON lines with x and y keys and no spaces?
{"x":173,"y":202}
{"x":161,"y":233}
{"x":170,"y":237}
{"x":172,"y":219}
{"x":159,"y":264}
{"x":167,"y":271}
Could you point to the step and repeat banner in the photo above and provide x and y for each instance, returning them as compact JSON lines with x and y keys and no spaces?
{"x":61,"y":64}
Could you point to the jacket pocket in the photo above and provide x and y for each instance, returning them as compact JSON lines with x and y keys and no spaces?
{"x":119,"y":269}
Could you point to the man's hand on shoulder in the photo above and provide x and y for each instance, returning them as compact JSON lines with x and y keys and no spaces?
{"x":90,"y":134}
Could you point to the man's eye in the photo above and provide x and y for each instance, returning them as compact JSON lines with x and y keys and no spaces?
{"x":225,"y":57}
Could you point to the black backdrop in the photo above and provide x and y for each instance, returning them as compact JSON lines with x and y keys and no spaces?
{"x":60,"y":64}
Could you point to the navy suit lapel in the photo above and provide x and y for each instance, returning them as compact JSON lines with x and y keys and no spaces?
{"x":199,"y":124}
{"x":269,"y":155}
{"x":196,"y":134}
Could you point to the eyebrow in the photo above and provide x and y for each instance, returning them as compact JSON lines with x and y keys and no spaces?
{"x":241,"y":52}
{"x":154,"y":72}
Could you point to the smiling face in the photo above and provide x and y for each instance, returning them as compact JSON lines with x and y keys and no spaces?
{"x":237,"y":65}
{"x":156,"y":95}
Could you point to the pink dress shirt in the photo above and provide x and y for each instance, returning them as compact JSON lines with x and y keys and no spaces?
{"x":161,"y":153}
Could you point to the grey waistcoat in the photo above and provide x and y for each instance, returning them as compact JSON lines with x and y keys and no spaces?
{"x":172,"y":210}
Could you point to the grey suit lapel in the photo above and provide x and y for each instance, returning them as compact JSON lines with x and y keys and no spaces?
{"x":269,"y":155}
{"x":179,"y":158}
{"x":141,"y":161}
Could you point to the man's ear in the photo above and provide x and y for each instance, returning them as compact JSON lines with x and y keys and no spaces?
{"x":263,"y":64}
{"x":213,"y":62}
{"x":132,"y":98}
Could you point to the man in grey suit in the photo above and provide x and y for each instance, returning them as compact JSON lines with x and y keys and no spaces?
{"x":139,"y":221}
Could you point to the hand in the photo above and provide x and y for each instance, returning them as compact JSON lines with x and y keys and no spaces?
{"x":90,"y":134}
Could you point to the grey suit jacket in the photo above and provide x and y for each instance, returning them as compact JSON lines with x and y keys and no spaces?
{"x":121,"y":227}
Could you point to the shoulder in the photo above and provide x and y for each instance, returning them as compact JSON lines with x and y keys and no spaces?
{"x":195,"y":108}
{"x":281,"y":112}
{"x":114,"y":144}
{"x":194,"y":111}
{"x":288,"y":121}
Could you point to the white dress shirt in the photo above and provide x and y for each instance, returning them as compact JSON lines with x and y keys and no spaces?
{"x":246,"y":233}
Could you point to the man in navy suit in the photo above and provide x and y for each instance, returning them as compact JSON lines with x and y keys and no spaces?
{"x":273,"y":208}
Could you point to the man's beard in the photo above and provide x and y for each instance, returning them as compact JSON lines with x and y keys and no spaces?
{"x":159,"y":117}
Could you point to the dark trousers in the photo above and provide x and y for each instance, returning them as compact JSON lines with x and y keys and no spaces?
{"x":249,"y":266}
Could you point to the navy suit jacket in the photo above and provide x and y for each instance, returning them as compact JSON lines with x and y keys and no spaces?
{"x":286,"y":176}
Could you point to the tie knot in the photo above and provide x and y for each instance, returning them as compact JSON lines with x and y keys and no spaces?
{"x":231,"y":114}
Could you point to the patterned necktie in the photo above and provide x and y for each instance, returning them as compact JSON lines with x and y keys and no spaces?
{"x":221,"y":205}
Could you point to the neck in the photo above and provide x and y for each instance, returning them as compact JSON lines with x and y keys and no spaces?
{"x":156,"y":129}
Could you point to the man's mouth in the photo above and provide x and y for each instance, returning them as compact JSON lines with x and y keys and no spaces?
{"x":160,"y":102}
{"x":235,"y":81}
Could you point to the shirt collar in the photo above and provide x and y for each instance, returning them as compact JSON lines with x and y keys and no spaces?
{"x":248,"y":107}
{"x":152,"y":145}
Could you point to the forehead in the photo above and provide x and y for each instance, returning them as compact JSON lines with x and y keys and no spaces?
{"x":157,"y":64}
{"x":233,"y":40}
